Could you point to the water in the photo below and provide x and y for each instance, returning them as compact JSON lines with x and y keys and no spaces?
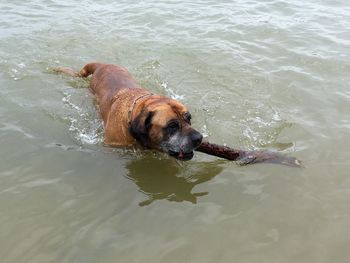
{"x":255,"y":74}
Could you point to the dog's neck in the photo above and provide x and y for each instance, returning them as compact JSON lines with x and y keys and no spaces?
{"x":132,"y":106}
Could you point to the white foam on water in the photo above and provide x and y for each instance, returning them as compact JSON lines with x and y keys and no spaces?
{"x":170,"y":92}
{"x":84,"y":121}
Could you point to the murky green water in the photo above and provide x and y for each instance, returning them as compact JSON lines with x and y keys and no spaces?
{"x":255,"y":74}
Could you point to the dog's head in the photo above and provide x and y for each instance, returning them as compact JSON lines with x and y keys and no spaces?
{"x":164,"y":124}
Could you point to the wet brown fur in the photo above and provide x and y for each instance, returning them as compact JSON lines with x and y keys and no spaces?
{"x":116,"y":92}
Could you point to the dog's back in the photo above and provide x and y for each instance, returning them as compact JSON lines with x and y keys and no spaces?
{"x":107,"y":79}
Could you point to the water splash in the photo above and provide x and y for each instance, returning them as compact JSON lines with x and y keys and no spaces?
{"x":84,"y":122}
{"x":262,"y":126}
{"x":17,"y":70}
{"x":170,"y":92}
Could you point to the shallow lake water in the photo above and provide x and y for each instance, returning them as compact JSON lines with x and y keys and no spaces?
{"x":255,"y":75}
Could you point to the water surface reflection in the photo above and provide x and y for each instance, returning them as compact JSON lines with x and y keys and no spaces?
{"x":168,"y":179}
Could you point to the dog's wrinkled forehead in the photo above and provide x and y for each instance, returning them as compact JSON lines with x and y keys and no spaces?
{"x":164,"y":112}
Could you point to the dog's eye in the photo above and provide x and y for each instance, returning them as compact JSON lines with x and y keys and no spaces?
{"x":187,"y":117}
{"x":173,"y":126}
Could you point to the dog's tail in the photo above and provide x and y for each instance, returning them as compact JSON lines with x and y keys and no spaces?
{"x":87,"y":70}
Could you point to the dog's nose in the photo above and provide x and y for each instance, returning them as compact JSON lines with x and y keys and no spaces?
{"x":196,"y":138}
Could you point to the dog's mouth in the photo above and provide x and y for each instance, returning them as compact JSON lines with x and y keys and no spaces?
{"x":182,"y":156}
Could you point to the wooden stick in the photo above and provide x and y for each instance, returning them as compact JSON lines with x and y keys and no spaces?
{"x":247,"y":157}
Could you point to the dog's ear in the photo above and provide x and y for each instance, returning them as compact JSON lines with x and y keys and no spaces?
{"x":140,"y":126}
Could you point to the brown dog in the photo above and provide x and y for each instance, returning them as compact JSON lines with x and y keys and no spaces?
{"x":135,"y":116}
